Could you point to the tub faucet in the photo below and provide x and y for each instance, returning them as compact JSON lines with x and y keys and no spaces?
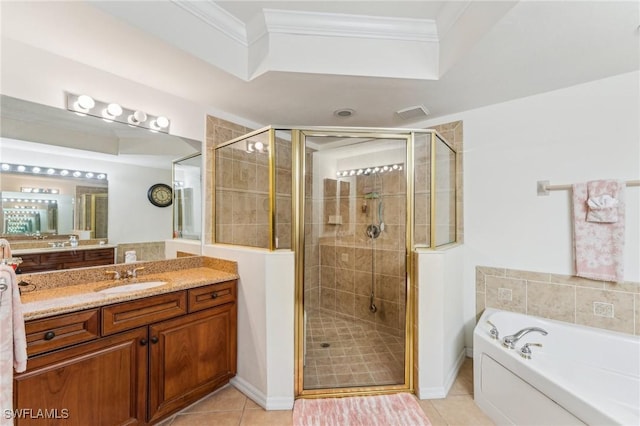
{"x":510,"y":341}
{"x":494,"y":333}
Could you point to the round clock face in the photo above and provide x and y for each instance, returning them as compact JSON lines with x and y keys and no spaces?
{"x":160,"y":195}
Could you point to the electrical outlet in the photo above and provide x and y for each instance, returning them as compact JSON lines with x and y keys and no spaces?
{"x":505,"y":294}
{"x":602,"y":309}
{"x":345,"y":257}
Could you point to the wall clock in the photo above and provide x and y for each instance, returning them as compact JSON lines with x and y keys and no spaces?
{"x":160,"y":195}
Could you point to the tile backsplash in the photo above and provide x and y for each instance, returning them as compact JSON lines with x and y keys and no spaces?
{"x":612,"y":306}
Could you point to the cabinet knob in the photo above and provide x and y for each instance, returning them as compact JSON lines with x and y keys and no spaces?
{"x":214,"y":295}
{"x":49,"y":335}
{"x":143,"y":342}
{"x":154,"y":339}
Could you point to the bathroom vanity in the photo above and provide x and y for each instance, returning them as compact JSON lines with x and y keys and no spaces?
{"x":51,"y":259}
{"x":135,"y":361}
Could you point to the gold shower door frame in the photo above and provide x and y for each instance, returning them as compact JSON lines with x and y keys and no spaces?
{"x":298,"y":215}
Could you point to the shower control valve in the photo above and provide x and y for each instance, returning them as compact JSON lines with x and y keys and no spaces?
{"x":494,"y":331}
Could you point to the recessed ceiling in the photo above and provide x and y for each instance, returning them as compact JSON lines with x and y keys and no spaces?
{"x":489,"y":52}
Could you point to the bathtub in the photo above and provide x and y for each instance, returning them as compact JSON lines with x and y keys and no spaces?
{"x":581,"y":375}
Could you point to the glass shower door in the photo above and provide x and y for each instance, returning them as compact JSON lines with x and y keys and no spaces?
{"x":355,"y":276}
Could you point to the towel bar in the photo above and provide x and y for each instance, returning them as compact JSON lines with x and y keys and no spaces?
{"x":543,"y":187}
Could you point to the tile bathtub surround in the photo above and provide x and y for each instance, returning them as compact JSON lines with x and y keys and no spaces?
{"x":55,"y":279}
{"x":148,"y":251}
{"x":611,"y":306}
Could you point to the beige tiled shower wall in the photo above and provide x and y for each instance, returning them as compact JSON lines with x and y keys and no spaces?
{"x":349,"y":260}
{"x":612,"y":306}
{"x":242,"y":181}
{"x":218,"y":131}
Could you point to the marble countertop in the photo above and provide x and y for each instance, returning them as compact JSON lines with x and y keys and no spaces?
{"x":64,"y":299}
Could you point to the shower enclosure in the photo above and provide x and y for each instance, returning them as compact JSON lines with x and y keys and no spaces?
{"x":353,"y":204}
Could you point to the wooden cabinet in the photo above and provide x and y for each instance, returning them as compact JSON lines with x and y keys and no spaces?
{"x":65,"y":259}
{"x":190,"y":357}
{"x":155,"y":356}
{"x":103,"y":382}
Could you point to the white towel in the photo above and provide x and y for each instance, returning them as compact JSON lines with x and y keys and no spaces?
{"x":13,"y":341}
{"x":602,"y":201}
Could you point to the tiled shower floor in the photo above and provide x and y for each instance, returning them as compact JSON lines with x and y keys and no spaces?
{"x":357,"y":355}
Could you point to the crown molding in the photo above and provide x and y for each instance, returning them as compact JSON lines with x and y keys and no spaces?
{"x":343,"y":25}
{"x":218,"y":18}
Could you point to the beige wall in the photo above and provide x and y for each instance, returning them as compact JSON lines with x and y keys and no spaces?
{"x":612,"y":306}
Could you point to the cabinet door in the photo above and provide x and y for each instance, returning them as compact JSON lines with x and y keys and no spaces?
{"x":97,"y":383}
{"x":190,"y":357}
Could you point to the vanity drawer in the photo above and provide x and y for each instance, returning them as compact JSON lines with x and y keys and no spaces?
{"x":100,"y":254}
{"x":212,"y":295}
{"x":128,"y":315}
{"x":47,"y":334}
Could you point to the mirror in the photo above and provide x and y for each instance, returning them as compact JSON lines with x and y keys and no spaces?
{"x":40,"y":201}
{"x":187,"y":204}
{"x":133,"y":159}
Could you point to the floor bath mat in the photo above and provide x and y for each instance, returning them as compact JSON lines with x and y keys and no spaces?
{"x":400,"y":409}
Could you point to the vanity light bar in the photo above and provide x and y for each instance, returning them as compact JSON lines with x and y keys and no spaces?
{"x":49,"y":171}
{"x":110,"y":112}
{"x":27,"y":200}
{"x":39,"y":190}
{"x":369,"y":170}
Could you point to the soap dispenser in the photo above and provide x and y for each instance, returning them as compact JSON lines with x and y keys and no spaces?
{"x":73,"y":241}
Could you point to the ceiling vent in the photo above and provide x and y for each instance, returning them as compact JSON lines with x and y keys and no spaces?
{"x":413,"y":113}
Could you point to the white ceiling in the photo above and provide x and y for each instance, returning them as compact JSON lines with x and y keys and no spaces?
{"x":489,"y":52}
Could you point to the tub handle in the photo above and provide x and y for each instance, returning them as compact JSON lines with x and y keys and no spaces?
{"x":525,"y":350}
{"x":494,"y":331}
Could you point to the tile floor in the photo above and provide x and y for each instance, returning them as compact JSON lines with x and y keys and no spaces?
{"x":341,"y":353}
{"x":229,"y":407}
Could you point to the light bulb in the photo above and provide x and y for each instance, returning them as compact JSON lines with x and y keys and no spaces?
{"x":64,"y":172}
{"x":36,"y":169}
{"x":101,"y":176}
{"x":137,"y":117}
{"x":114,"y":110}
{"x":51,"y":171}
{"x":162,"y":122}
{"x":259,"y":146}
{"x":21,"y":168}
{"x":85,"y":103}
{"x":77,"y":174}
{"x":6,"y":167}
{"x":88,"y":175}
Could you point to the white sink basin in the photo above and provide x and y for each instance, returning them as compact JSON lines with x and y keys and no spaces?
{"x":127,"y":288}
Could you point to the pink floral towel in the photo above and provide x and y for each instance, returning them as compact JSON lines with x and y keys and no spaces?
{"x":599,"y":246}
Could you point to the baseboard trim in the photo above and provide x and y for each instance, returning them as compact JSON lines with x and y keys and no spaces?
{"x":439,"y":392}
{"x":268,"y":403}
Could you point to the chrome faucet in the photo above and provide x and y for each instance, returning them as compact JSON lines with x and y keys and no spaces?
{"x":510,"y":341}
{"x":525,"y":351}
{"x":494,"y":333}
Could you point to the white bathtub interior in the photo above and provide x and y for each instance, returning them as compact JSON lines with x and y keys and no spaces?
{"x":589,"y":375}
